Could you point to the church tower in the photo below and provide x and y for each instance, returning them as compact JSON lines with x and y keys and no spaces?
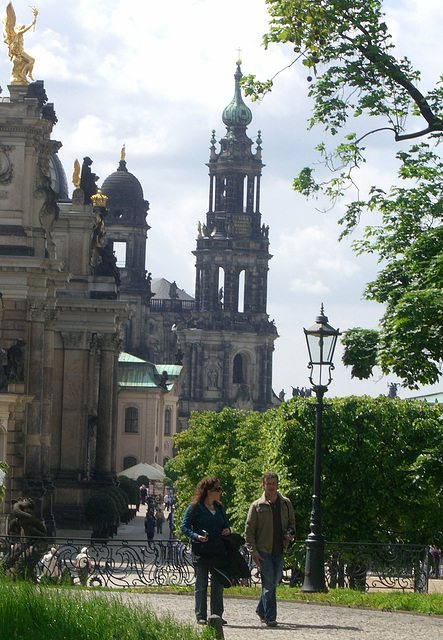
{"x":229,"y":342}
{"x":126,"y":232}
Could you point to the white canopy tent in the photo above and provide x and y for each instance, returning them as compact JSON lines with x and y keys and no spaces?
{"x":142,"y":469}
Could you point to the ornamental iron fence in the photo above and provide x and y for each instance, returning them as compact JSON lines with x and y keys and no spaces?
{"x":366,"y":566}
{"x":169,"y":562}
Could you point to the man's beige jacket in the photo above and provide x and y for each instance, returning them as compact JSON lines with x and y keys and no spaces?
{"x":259,"y":526}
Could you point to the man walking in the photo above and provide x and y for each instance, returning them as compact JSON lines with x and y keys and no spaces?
{"x":270,"y":526}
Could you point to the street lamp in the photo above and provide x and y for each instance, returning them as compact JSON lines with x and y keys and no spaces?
{"x":321,"y":339}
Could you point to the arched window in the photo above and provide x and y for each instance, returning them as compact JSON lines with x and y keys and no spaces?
{"x":129,"y":461}
{"x":131,"y":420}
{"x":238,"y":375}
{"x":167,"y":423}
{"x":165,"y":460}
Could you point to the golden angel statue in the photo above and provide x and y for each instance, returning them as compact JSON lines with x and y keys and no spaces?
{"x":76,"y":174}
{"x":22,"y":62}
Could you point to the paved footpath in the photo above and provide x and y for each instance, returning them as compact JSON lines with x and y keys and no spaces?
{"x":300,"y":621}
{"x":297,"y":620}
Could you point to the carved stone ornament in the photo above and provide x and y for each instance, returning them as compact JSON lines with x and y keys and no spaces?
{"x":5,"y":165}
{"x":109,"y":341}
{"x":42,"y":311}
{"x":74,"y":340}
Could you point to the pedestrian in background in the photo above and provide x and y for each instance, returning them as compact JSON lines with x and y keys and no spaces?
{"x":143,"y":494}
{"x":150,"y":524}
{"x":159,"y":519}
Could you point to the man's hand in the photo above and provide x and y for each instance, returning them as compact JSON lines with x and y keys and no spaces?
{"x":226,"y":532}
{"x":258,"y":560}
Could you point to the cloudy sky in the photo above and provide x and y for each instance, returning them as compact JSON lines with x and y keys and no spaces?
{"x":156,"y":76}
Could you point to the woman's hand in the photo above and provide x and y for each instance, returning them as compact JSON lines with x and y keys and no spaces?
{"x":202,"y":538}
{"x":226,"y":532}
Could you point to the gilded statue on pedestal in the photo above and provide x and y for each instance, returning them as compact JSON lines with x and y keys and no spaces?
{"x":22,"y":62}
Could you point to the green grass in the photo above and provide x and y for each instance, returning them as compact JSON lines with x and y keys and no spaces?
{"x":36,"y":612}
{"x":431,"y":604}
{"x":31,"y":612}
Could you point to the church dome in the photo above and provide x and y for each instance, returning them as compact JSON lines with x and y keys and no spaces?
{"x":59,"y":182}
{"x":237,"y":113}
{"x":125,"y":194}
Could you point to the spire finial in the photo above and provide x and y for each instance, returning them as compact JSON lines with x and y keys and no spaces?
{"x":123,"y":152}
{"x":239,"y":61}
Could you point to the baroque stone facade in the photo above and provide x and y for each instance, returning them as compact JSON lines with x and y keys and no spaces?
{"x":59,"y":400}
{"x":68,"y":312}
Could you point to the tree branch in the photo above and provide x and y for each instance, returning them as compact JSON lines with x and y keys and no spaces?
{"x":417,"y":134}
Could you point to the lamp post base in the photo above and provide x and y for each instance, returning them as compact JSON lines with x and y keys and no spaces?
{"x":314,"y":581}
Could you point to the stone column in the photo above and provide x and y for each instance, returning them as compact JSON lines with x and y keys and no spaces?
{"x":74,"y":411}
{"x":109,"y":344}
{"x":35,"y":354}
{"x":47,"y":409}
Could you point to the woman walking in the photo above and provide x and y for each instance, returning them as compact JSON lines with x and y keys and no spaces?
{"x":204,"y":523}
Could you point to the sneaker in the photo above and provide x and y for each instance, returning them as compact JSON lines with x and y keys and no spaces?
{"x":224,"y":621}
{"x":272,"y":623}
{"x":261,"y":619}
{"x":201,"y":621}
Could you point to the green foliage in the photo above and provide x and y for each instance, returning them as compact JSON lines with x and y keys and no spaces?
{"x":230,"y":445}
{"x":120,"y":498}
{"x":381,"y":464}
{"x":409,"y":241}
{"x":143,"y":480}
{"x":101,"y":508}
{"x":376,"y":486}
{"x":349,"y":52}
{"x":360,"y":351}
{"x":130,"y":488}
{"x":31,"y":611}
{"x":353,"y":72}
{"x":169,"y":470}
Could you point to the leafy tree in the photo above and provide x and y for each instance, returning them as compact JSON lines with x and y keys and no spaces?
{"x":169,"y":471}
{"x":380,"y":475}
{"x":381,"y":464}
{"x":354,"y":73}
{"x":229,"y":445}
{"x":360,"y":351}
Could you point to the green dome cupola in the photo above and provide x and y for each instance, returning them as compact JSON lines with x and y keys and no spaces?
{"x":237,"y":113}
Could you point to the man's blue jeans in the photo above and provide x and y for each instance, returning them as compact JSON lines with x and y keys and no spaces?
{"x":271,"y":572}
{"x":201,"y":591}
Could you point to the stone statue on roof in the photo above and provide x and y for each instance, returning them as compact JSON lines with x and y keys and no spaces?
{"x":22,"y":62}
{"x":88,"y":180}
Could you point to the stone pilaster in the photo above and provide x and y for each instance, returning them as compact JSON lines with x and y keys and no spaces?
{"x":106,"y":419}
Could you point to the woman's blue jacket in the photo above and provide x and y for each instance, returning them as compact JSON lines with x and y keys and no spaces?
{"x":199,"y":518}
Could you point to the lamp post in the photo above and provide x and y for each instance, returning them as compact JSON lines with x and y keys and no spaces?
{"x":321,"y":339}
